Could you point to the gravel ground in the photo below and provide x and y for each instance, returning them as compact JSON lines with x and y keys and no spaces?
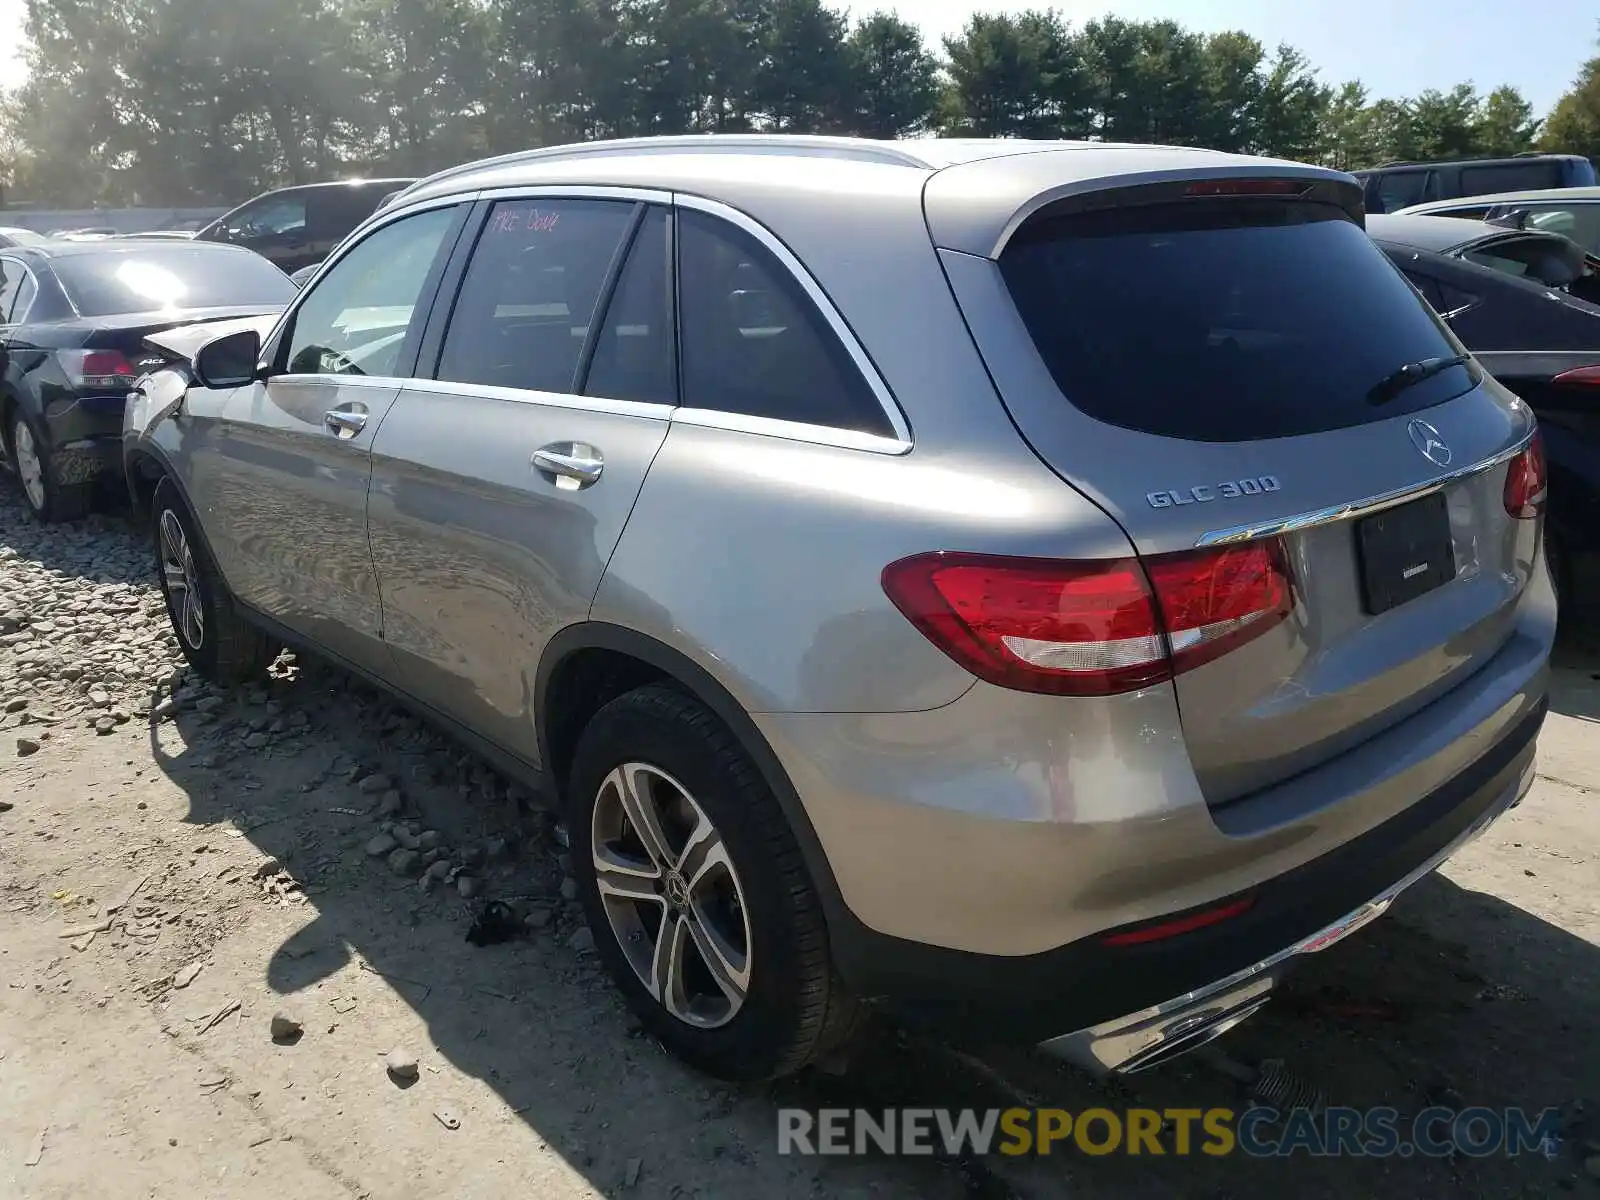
{"x":182,"y":867}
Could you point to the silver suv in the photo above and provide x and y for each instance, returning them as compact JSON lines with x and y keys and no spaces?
{"x":1043,"y":587}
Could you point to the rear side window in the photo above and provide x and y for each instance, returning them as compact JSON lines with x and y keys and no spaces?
{"x":187,"y":277}
{"x":1509,"y":177}
{"x":753,"y":343}
{"x":635,"y":356}
{"x":1223,"y":321}
{"x":1548,"y":261}
{"x":1580,"y":222}
{"x":523,"y":313}
{"x":1398,"y":189}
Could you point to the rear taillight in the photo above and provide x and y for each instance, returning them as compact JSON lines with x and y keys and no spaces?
{"x":1579,"y":377}
{"x":1247,"y":187}
{"x":1527,"y":481}
{"x":89,"y":369}
{"x":1090,"y":628}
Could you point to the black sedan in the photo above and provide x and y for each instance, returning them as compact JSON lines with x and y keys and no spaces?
{"x":1525,"y":303}
{"x":73,"y":317}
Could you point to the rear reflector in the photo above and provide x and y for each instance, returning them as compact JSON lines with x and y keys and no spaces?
{"x":1247,"y":187}
{"x":89,"y":369}
{"x":1095,"y":627}
{"x":1161,"y":930}
{"x":1527,"y":482}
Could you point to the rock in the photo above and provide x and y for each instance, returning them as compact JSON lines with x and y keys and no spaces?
{"x":186,"y":975}
{"x":472,"y":857}
{"x":1592,"y":1166}
{"x":497,"y":848}
{"x":405,"y":837}
{"x":208,"y":704}
{"x":631,"y":1178}
{"x":538,"y":918}
{"x":467,"y":886}
{"x":26,"y":746}
{"x":372,"y":785}
{"x":569,"y":888}
{"x":16,"y":704}
{"x":256,"y":741}
{"x":439,"y":870}
{"x":285,"y":1028}
{"x":99,"y":697}
{"x":401,"y":1065}
{"x":105,"y":725}
{"x":405,"y":862}
{"x":165,"y":710}
{"x":391,"y":804}
{"x":581,"y":941}
{"x":430,"y":839}
{"x":381,"y":845}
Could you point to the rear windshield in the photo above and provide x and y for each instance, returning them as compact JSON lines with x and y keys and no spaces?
{"x":1224,"y":322}
{"x":103,"y":285}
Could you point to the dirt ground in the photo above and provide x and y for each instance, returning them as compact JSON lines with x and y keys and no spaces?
{"x":178,"y":867}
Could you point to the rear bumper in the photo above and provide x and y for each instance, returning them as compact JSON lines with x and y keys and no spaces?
{"x":1125,"y":1002}
{"x":1185,"y":1022}
{"x":86,"y":438}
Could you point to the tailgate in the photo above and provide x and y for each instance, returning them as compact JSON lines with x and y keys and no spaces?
{"x":1242,"y":367}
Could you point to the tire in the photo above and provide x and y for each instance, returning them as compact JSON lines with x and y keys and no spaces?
{"x":48,"y":498}
{"x":218,"y":643}
{"x":665,"y":745}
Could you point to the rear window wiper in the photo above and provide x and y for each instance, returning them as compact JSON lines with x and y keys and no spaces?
{"x":1412,"y":373}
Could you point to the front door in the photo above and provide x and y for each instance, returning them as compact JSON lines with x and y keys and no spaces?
{"x":294,"y":453}
{"x":501,"y":487}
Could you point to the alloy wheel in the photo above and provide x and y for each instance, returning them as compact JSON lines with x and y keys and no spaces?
{"x":178,"y":577}
{"x":29,"y":469}
{"x":672,"y":895}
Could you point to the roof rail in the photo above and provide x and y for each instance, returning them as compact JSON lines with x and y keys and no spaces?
{"x":802,"y":145}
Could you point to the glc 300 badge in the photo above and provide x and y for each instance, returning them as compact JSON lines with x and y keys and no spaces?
{"x":1230,"y":489}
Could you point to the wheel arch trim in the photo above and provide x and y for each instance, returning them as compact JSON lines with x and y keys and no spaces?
{"x":703,"y":687}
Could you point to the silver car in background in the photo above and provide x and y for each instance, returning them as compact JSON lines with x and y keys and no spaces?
{"x":1040,"y":587}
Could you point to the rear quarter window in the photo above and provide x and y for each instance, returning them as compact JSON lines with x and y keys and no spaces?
{"x":1223,"y":321}
{"x":1509,"y":177}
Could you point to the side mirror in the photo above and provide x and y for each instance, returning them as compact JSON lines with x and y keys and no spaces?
{"x":228,"y":361}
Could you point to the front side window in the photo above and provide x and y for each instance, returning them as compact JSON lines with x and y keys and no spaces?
{"x":753,"y":343}
{"x":522,"y":316}
{"x":272,"y":217}
{"x":1580,"y":222}
{"x":355,"y":318}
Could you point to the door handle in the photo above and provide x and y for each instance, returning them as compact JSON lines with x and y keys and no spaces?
{"x":572,"y":464}
{"x":346,"y":422}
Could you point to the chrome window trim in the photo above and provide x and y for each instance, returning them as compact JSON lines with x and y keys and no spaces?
{"x":1359,"y":508}
{"x":822,"y":434}
{"x":565,"y":400}
{"x":794,"y":431}
{"x":367,"y":382}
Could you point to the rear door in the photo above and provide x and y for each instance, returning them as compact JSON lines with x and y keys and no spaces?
{"x":1217,"y":368}
{"x":290,"y":459}
{"x":501,"y":486}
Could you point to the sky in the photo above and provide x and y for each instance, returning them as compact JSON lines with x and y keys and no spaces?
{"x":1396,"y":47}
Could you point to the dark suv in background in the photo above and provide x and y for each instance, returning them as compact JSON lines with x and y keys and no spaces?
{"x":297,"y":226}
{"x":1394,"y":186}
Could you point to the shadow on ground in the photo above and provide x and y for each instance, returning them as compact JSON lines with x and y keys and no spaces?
{"x":1460,"y":998}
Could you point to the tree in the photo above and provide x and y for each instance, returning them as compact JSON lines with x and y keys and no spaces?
{"x":1444,"y":124}
{"x":1505,"y":123}
{"x":1019,"y":76}
{"x":801,"y":81}
{"x":1574,"y":125}
{"x":1231,"y":80}
{"x":1291,"y":113}
{"x":894,"y":81}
